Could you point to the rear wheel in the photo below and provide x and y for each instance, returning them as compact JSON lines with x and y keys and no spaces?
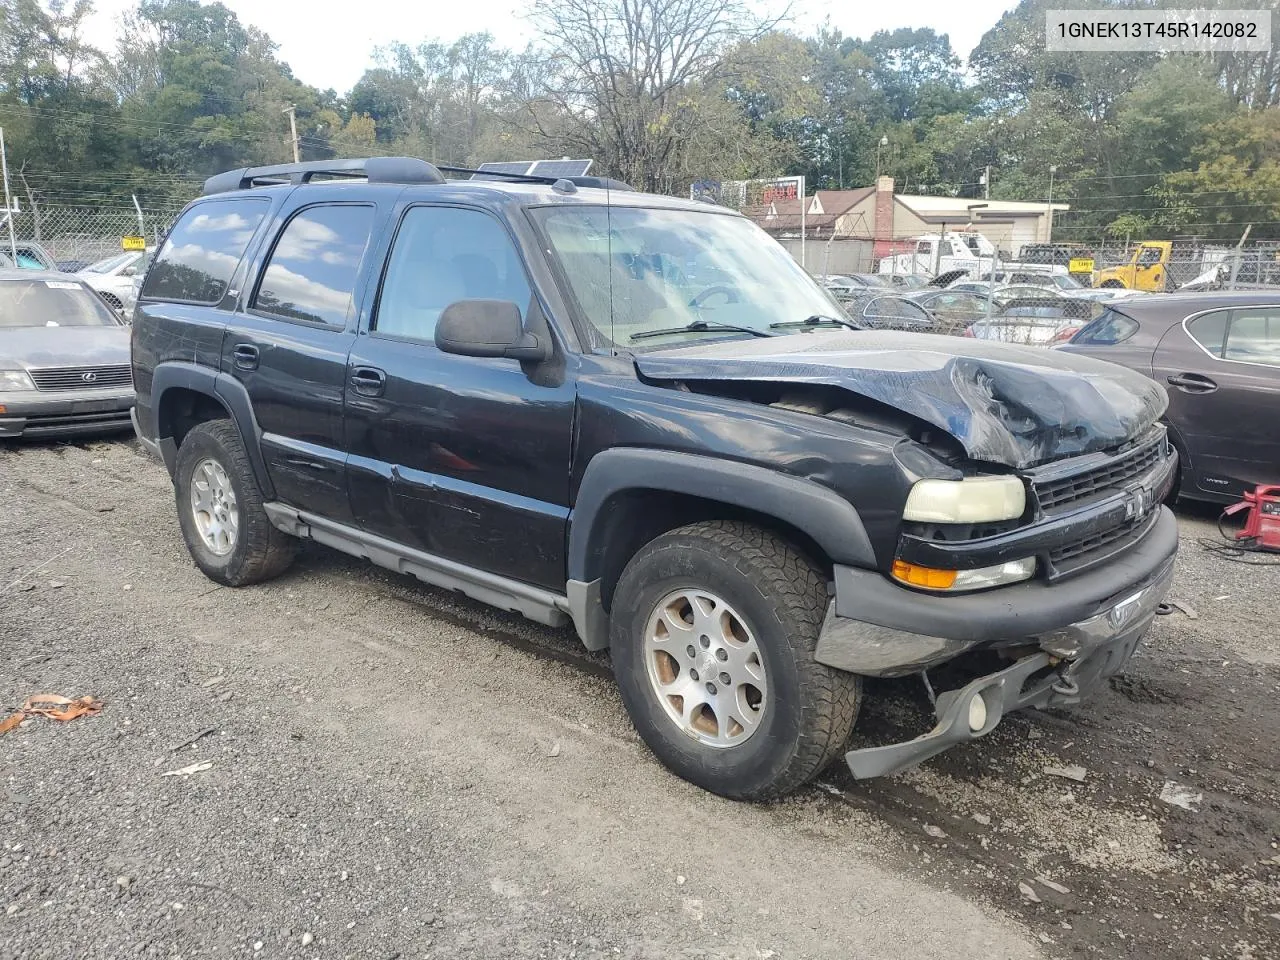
{"x":225,"y":527}
{"x":1113,"y":284}
{"x":714,"y":627}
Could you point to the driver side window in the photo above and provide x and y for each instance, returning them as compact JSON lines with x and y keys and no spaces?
{"x":442,"y":255}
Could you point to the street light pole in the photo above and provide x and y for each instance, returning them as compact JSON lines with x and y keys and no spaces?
{"x":1053,"y":168}
{"x":884,"y":142}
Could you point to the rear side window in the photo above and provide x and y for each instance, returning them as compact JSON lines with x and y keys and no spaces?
{"x":311,"y":275}
{"x":1254,"y":336}
{"x":1210,"y":330}
{"x":203,"y":250}
{"x":1107,"y":330}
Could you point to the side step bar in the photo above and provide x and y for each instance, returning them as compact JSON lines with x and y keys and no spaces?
{"x":533,"y":602}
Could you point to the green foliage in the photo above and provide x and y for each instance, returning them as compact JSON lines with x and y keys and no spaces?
{"x":1142,"y":144}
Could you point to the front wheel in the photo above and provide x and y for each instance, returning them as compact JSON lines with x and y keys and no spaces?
{"x":714,"y":627}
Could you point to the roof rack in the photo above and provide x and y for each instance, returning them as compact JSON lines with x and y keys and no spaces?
{"x":603,"y":183}
{"x":373,"y":169}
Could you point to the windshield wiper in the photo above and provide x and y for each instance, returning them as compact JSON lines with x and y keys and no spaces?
{"x":815,"y":320}
{"x":701,"y":326}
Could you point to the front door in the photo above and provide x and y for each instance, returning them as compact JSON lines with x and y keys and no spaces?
{"x":465,"y":458}
{"x":1222,"y":372}
{"x":289,"y":348}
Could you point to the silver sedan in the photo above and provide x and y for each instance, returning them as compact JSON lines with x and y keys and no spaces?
{"x":64,"y":358}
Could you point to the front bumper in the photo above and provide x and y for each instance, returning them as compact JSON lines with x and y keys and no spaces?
{"x":1085,"y":628}
{"x":34,"y":414}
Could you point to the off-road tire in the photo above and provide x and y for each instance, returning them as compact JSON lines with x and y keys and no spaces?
{"x":260,"y":551}
{"x":783,"y":597}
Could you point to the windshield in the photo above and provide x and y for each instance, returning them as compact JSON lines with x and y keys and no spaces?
{"x":109,"y":264}
{"x":51,"y":303}
{"x":668,"y":269}
{"x":1067,"y":282}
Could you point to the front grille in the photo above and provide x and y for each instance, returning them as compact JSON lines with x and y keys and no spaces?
{"x":1110,"y":475}
{"x":82,"y":378}
{"x":1096,"y":542}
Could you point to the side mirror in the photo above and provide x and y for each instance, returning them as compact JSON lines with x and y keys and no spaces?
{"x":488,"y":328}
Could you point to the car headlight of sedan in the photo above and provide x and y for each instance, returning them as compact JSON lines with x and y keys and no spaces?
{"x":15,"y":380}
{"x":971,"y":500}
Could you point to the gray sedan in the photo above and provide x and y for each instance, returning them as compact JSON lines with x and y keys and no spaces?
{"x":64,"y":358}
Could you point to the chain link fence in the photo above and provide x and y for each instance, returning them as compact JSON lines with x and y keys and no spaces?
{"x":75,"y":236}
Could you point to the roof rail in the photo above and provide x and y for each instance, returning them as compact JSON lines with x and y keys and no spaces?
{"x":604,"y":183}
{"x":373,"y":169}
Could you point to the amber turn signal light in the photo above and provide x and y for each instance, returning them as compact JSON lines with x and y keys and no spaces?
{"x":919,"y":576}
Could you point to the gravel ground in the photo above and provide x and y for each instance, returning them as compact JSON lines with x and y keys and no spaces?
{"x":399,"y":772}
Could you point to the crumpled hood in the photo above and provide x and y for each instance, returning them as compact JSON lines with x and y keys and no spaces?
{"x":63,"y":346}
{"x":1017,"y":406}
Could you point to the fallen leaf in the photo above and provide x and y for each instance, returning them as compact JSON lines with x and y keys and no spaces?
{"x":189,"y":770}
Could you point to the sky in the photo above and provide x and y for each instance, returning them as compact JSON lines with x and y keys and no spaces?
{"x":334,"y":50}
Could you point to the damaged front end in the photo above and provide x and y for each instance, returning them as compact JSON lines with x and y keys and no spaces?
{"x":1032,"y":547}
{"x":1103,"y":548}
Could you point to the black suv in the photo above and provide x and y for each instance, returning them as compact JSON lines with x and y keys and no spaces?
{"x":557,"y":397}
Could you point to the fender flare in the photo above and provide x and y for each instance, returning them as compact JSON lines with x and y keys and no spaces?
{"x":817,"y":511}
{"x":822,"y":514}
{"x":230,"y":393}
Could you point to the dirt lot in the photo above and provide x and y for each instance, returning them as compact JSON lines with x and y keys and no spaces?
{"x":400,"y":773}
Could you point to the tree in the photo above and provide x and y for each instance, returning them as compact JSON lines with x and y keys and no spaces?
{"x":635,"y":81}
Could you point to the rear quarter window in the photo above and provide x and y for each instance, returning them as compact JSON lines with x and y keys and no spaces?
{"x":1107,"y":330}
{"x":1210,"y":330}
{"x":203,"y":250}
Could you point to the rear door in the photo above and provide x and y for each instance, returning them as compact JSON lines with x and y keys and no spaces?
{"x":465,"y":458}
{"x":1222,"y":371}
{"x":288,"y":344}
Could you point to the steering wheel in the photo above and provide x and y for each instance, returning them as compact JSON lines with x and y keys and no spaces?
{"x":729,"y":293}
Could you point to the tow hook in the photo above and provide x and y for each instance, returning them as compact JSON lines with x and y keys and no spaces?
{"x":1066,"y":686}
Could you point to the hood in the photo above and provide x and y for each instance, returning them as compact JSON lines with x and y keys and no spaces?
{"x":1017,"y":406}
{"x":63,"y":346}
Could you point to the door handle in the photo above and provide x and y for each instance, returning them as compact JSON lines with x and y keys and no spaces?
{"x":246,"y":356}
{"x":1192,"y":383}
{"x":308,"y":464}
{"x":368,"y":381}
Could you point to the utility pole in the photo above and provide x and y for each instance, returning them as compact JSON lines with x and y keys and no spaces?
{"x":9,"y":207}
{"x":986,"y":184}
{"x":1053,"y":168}
{"x":291,"y":110}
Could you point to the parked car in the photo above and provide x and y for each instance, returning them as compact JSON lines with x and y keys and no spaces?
{"x":891,"y":312}
{"x":64,"y":358}
{"x":1026,"y":326}
{"x":957,"y":309}
{"x":25,"y":255}
{"x":844,"y":286}
{"x":483,"y":384}
{"x":909,"y":281}
{"x":114,"y":277}
{"x":1219,"y":355}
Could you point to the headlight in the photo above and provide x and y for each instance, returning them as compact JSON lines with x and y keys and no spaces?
{"x":972,"y":500}
{"x":956,"y":581}
{"x":15,"y":380}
